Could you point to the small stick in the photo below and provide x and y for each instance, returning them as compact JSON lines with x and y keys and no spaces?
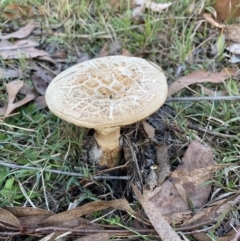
{"x":12,"y":166}
{"x":213,"y":133}
{"x":237,"y":235}
{"x":205,"y":98}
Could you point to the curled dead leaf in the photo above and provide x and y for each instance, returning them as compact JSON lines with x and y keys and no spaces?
{"x":232,"y":32}
{"x":14,"y":11}
{"x":21,"y":33}
{"x":227,"y":9}
{"x":200,"y":76}
{"x":57,"y":219}
{"x":209,"y":18}
{"x":160,"y":224}
{"x":150,"y":130}
{"x":12,"y":89}
{"x":185,"y":182}
{"x":9,"y":73}
{"x":8,"y":218}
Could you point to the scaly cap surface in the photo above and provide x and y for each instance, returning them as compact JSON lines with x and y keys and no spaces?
{"x":106,"y":92}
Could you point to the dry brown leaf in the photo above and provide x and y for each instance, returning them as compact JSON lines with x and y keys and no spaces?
{"x":201,"y":237}
{"x":96,"y":237}
{"x":32,"y":222}
{"x":3,"y":110}
{"x":125,"y":52}
{"x":48,"y":59}
{"x":28,"y":211}
{"x":9,"y":73}
{"x":227,"y":9}
{"x":49,"y":237}
{"x":209,"y":92}
{"x":14,"y":11}
{"x":212,"y":21}
{"x":39,"y":83}
{"x":150,"y":130}
{"x":111,"y":48}
{"x":200,"y":76}
{"x":196,"y":159}
{"x":28,"y":53}
{"x":8,"y":218}
{"x":21,"y":33}
{"x":42,"y":77}
{"x":12,"y":90}
{"x":40,"y":102}
{"x":160,"y":224}
{"x":6,"y":45}
{"x":163,"y":168}
{"x":120,"y":204}
{"x":204,"y":237}
{"x":233,"y":32}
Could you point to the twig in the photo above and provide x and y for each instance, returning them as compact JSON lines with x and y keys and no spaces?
{"x":205,"y":98}
{"x":204,"y":230}
{"x":17,"y":127}
{"x":213,"y":133}
{"x":196,"y":226}
{"x":84,"y":36}
{"x":12,"y":166}
{"x":237,"y":236}
{"x":81,"y":231}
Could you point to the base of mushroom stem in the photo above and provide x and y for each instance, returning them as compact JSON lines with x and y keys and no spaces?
{"x":110,"y":158}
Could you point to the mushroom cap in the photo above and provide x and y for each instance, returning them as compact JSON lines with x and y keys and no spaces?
{"x":107,"y":92}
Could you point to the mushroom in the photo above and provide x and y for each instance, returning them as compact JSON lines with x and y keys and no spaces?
{"x":105,"y":94}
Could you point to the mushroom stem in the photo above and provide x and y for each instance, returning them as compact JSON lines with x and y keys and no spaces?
{"x":108,"y":140}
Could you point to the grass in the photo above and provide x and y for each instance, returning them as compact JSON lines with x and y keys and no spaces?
{"x":176,"y":39}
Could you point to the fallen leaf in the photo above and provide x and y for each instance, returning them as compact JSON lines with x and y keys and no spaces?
{"x":233,"y":32}
{"x":227,"y":9}
{"x":32,"y":222}
{"x":12,"y":90}
{"x":49,"y":237}
{"x":14,"y":11}
{"x":28,"y":211}
{"x":39,"y":84}
{"x":209,"y":92}
{"x":125,"y":52}
{"x":96,"y":237}
{"x":8,"y":218}
{"x":6,"y":45}
{"x":42,"y":77}
{"x":112,"y":48}
{"x":3,"y":110}
{"x":150,"y":130}
{"x":201,"y":237}
{"x":40,"y":102}
{"x":48,"y":59}
{"x":163,"y":167}
{"x":190,"y":174}
{"x":160,"y":224}
{"x":21,"y":33}
{"x":57,"y":219}
{"x":28,"y":53}
{"x":209,"y":18}
{"x":200,"y":76}
{"x":9,"y":73}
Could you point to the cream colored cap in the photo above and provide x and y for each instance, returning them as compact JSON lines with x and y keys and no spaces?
{"x":107,"y":92}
